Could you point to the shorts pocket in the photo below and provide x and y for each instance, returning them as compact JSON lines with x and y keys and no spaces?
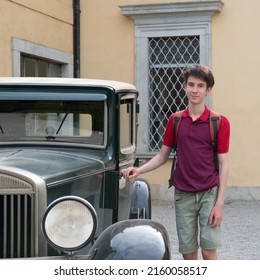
{"x":177,"y":195}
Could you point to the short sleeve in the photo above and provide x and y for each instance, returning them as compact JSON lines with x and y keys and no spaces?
{"x":168,"y":139}
{"x":224,"y":136}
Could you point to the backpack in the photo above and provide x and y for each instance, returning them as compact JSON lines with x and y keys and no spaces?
{"x":214,"y":124}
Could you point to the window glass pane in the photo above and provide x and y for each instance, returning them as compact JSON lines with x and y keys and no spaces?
{"x":37,"y":67}
{"x":167,"y":58}
{"x":29,"y":67}
{"x":54,"y":70}
{"x":63,"y":121}
{"x":42,"y":69}
{"x":126,"y":117}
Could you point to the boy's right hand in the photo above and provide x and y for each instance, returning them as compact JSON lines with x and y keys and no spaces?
{"x":130,"y":172}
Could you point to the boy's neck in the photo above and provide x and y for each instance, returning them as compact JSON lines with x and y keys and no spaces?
{"x":196,"y":110}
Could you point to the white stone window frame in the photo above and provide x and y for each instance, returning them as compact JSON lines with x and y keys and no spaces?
{"x":20,"y":47}
{"x":169,"y":20}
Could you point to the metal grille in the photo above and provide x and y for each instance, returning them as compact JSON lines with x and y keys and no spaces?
{"x":17,"y":208}
{"x":167,"y":58}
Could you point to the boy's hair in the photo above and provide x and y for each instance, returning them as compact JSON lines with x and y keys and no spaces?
{"x":199,"y":71}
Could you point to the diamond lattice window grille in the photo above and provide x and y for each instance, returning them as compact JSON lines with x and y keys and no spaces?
{"x":168,"y":56}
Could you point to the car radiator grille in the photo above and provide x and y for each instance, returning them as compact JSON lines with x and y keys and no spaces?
{"x":17,"y":221}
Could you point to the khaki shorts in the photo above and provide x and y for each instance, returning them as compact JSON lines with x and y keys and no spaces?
{"x":192,"y":220}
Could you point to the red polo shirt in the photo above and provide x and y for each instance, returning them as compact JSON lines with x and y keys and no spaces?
{"x":195,"y":169}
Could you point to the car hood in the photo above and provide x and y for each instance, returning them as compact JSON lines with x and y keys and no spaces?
{"x":51,"y":165}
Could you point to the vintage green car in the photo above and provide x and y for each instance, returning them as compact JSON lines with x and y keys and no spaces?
{"x":63,"y":144}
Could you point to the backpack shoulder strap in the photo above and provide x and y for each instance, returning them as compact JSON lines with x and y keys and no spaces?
{"x":176,"y":124}
{"x":214,"y":124}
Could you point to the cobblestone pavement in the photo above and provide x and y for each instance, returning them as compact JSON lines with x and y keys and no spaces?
{"x":240,"y":229}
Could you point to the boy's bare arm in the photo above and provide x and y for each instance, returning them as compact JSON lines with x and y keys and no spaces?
{"x":154,"y":163}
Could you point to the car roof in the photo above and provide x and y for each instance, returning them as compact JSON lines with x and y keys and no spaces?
{"x":116,"y":85}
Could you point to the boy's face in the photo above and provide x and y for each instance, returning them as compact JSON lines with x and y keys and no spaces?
{"x":196,"y":90}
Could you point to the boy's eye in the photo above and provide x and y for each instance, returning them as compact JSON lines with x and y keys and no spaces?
{"x":199,"y":85}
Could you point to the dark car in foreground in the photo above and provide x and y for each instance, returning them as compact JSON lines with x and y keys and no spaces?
{"x":63,"y":144}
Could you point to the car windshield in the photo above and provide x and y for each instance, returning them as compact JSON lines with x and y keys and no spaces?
{"x":66,"y":121}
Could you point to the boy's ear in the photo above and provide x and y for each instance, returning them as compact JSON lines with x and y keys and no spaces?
{"x":209,"y":90}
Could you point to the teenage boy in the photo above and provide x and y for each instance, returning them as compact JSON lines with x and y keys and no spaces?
{"x":199,"y":187}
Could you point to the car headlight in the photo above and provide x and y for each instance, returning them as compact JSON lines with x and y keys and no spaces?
{"x":69,"y":223}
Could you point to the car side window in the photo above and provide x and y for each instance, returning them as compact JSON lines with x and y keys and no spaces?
{"x":127,"y":121}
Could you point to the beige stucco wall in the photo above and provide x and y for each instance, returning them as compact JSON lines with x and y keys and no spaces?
{"x":43,"y":22}
{"x":107,"y":51}
{"x":235,"y":61}
{"x":107,"y":41}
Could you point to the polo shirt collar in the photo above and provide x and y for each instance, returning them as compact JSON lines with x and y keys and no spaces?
{"x":204,"y":117}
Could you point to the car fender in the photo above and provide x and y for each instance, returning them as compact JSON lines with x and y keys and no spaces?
{"x":136,"y":239}
{"x":140,"y":200}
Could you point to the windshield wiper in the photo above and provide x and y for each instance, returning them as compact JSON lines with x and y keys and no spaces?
{"x":51,"y":132}
{"x":62,"y":122}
